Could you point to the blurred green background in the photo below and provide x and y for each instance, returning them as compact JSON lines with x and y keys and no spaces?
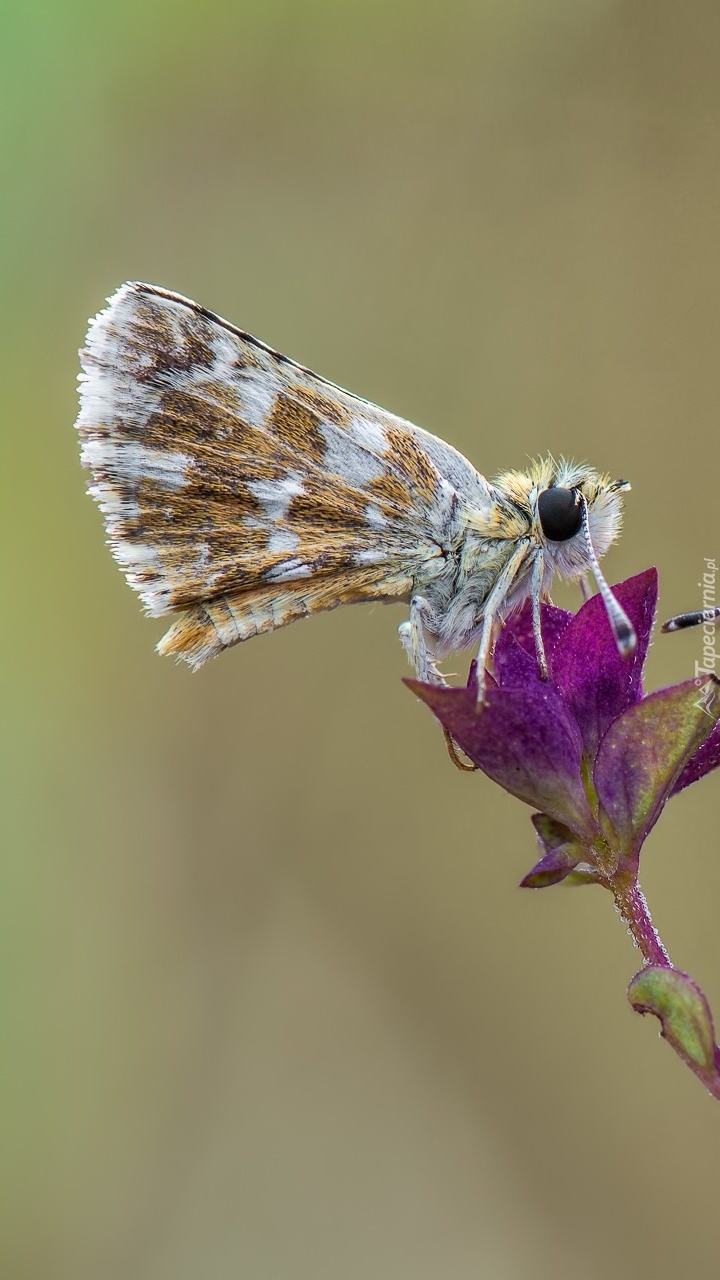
{"x":272,"y":1004}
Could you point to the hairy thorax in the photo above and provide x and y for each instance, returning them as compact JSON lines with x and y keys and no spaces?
{"x":457,"y":588}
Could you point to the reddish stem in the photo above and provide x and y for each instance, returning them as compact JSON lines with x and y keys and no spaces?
{"x":633,"y":909}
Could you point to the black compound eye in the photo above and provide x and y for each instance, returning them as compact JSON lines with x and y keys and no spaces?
{"x":560,"y":512}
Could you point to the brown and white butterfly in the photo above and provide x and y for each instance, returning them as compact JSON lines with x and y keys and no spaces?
{"x":241,"y":492}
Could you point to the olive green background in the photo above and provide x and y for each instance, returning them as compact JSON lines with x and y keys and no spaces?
{"x":273,"y":1006}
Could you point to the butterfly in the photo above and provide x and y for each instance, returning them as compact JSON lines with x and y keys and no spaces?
{"x":241,"y":492}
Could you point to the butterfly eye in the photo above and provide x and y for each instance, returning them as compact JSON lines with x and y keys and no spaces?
{"x":560,"y":513}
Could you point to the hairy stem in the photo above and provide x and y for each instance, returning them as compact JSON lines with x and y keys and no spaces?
{"x":633,"y":908}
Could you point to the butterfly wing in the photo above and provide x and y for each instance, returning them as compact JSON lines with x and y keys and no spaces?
{"x":243,"y":490}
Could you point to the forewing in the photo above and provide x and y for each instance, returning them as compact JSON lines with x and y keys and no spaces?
{"x":222,"y":467}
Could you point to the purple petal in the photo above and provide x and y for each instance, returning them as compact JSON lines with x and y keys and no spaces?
{"x":706,"y":758}
{"x":685,"y":1018}
{"x":513,"y":666}
{"x":644,"y":752}
{"x":587,"y":668}
{"x":515,"y":661}
{"x":522,"y":738}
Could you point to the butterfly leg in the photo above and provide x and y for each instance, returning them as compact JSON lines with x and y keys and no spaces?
{"x":493,"y":610}
{"x":536,"y":583}
{"x":412,"y":639}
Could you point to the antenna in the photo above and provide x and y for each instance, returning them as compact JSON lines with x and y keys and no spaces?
{"x":683,"y":620}
{"x":622,"y":627}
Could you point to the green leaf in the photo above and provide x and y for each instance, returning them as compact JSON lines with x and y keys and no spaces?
{"x":685,"y":1016}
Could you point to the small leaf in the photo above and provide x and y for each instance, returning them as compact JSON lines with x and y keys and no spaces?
{"x":643,"y":753}
{"x":582,"y":874}
{"x":551,"y":869}
{"x":685,"y":1016}
{"x":562,"y":853}
{"x":551,"y":834}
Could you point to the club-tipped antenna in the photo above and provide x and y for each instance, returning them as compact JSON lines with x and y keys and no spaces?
{"x":621,"y":625}
{"x":694,"y":619}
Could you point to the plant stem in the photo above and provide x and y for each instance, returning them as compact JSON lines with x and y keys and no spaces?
{"x":633,"y":908}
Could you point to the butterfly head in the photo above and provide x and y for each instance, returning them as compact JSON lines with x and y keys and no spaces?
{"x":574,"y":514}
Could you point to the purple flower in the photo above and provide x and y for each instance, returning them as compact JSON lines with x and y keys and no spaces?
{"x":585,"y":747}
{"x":598,"y":759}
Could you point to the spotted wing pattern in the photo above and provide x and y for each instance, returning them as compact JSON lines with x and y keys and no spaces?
{"x":242,"y":490}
